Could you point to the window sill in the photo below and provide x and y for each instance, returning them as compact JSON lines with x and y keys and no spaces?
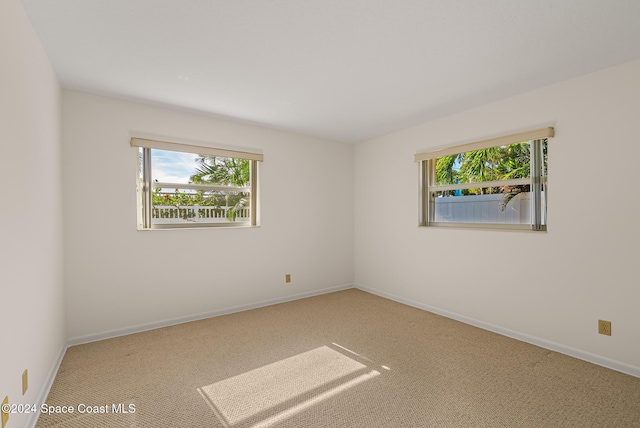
{"x":189,"y":227}
{"x":484,"y":226}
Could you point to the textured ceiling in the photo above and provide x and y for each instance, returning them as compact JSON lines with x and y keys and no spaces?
{"x":345,"y":70}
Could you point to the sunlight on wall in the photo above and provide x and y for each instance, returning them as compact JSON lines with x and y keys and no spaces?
{"x":279,"y":390}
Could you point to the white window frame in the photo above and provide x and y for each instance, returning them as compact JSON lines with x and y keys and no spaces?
{"x":537,"y":181}
{"x":146,"y":183}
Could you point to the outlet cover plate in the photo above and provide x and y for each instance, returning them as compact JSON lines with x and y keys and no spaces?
{"x":5,"y":416}
{"x":604,"y":327}
{"x":25,"y":381}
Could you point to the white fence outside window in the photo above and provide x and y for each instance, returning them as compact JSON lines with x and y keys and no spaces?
{"x":171,"y":214}
{"x":483,"y":209}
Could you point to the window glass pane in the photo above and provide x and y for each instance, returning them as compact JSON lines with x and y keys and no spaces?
{"x":491,"y":164}
{"x":199,"y":206}
{"x":504,"y":186}
{"x":502,"y":207}
{"x":191,"y":189}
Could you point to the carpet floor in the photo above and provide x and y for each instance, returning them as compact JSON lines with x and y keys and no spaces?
{"x":344,"y":359}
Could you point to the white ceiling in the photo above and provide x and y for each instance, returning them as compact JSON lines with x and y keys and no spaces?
{"x":345,"y":70}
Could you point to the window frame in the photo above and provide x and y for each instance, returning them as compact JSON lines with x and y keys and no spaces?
{"x":146,"y":185}
{"x":537,"y":181}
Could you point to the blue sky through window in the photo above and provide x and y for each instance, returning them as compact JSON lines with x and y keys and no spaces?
{"x":172,"y":167}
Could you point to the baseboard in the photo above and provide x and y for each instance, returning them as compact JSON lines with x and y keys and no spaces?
{"x":44,"y":391}
{"x":169,"y":322}
{"x":552,"y":346}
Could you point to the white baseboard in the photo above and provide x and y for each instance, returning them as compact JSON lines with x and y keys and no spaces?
{"x":552,"y":346}
{"x":166,"y":323}
{"x":44,"y":392}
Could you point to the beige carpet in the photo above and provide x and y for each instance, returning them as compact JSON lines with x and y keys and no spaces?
{"x":345,"y":359}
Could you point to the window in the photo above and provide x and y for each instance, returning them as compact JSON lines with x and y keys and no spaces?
{"x":497,"y":183}
{"x":182,"y":186}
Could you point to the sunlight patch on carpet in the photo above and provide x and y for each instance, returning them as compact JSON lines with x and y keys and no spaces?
{"x":279,"y":390}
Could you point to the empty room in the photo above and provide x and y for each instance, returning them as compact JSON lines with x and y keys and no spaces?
{"x":282,"y":213}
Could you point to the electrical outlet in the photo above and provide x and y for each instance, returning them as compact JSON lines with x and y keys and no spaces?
{"x":5,"y":415}
{"x":604,"y":327}
{"x":25,"y":381}
{"x":287,"y":278}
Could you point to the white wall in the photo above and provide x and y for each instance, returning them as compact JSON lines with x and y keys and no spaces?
{"x":31,"y":290}
{"x":119,"y":279}
{"x":551,"y":287}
